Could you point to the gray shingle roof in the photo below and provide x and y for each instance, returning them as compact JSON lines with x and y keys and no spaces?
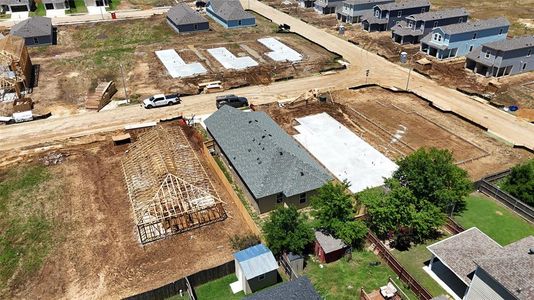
{"x":182,"y":14}
{"x":328,"y":242}
{"x":459,"y":251}
{"x":440,"y":14}
{"x":33,"y":27}
{"x":355,"y":2}
{"x":475,"y":25}
{"x":267,"y":159}
{"x":404,"y":4}
{"x":512,"y":267}
{"x":512,"y":44}
{"x":14,"y":2}
{"x":300,"y":288}
{"x":229,"y":9}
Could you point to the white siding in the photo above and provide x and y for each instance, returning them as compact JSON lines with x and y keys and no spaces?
{"x":484,"y":287}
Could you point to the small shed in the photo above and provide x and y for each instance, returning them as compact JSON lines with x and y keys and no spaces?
{"x":327,"y":248}
{"x":36,"y":31}
{"x":255,"y":268}
{"x":183,"y":18}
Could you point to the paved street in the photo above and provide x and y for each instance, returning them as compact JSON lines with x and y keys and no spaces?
{"x":381,"y":71}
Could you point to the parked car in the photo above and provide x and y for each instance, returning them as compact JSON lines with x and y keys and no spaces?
{"x":231,"y":100}
{"x":161,"y":100}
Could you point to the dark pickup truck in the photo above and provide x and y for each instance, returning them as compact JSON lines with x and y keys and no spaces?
{"x":231,"y":100}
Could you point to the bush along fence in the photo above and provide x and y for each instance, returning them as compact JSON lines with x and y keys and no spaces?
{"x":185,"y":286}
{"x":394,"y":264}
{"x":487,"y":187}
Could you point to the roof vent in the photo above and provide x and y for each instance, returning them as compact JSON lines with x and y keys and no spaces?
{"x":301,"y":173}
{"x":248,"y":150}
{"x":281,"y":153}
{"x":531,"y":251}
{"x":256,"y":121}
{"x":250,"y":121}
{"x":263,"y":136}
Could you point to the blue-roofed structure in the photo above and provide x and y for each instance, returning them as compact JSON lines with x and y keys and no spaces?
{"x":255,"y":268}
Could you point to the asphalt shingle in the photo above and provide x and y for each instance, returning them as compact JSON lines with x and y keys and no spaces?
{"x":33,"y":27}
{"x":230,"y":10}
{"x":404,"y":5}
{"x":512,"y":44}
{"x":475,"y":25}
{"x":182,"y":14}
{"x":298,"y":289}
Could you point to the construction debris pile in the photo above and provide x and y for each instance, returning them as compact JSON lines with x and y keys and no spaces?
{"x":169,"y":189}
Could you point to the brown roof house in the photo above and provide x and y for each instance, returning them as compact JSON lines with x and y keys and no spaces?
{"x":471,"y":265}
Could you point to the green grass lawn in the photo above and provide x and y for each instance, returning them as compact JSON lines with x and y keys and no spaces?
{"x":343,"y":279}
{"x":413,"y":261}
{"x":39,"y":11}
{"x":27,"y":228}
{"x":494,"y":219}
{"x":77,"y":8}
{"x":113,"y":5}
{"x":218,"y":289}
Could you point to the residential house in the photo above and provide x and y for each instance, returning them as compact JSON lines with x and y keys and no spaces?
{"x":460,"y":39}
{"x":272,"y":167}
{"x":328,"y":248}
{"x":55,"y":8}
{"x":229,"y":13}
{"x":417,"y":26}
{"x":300,"y":288}
{"x":326,"y":7}
{"x":95,"y":7}
{"x":255,"y":268}
{"x":472,"y":266}
{"x":306,"y":3}
{"x":14,"y":6}
{"x":385,"y":16}
{"x":183,"y":18}
{"x":352,"y":10}
{"x":504,"y":57}
{"x":36,"y":31}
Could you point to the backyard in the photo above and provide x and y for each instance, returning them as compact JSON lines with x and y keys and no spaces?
{"x":343,"y":279}
{"x":218,"y":289}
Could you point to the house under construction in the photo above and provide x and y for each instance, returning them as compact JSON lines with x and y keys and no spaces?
{"x":15,"y":65}
{"x":169,"y":189}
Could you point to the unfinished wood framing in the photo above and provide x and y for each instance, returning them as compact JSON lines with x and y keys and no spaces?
{"x":169,"y":189}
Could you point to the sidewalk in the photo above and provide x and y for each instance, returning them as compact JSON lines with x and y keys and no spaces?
{"x":92,"y":18}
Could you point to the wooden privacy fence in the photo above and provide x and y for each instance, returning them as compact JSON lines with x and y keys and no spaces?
{"x":486,"y":187}
{"x":453,"y":227}
{"x":384,"y":253}
{"x":185,"y":285}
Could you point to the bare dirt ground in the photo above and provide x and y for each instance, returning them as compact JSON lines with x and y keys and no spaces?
{"x":100,"y":255}
{"x":90,"y":53}
{"x":450,"y":73}
{"x":396,"y":124}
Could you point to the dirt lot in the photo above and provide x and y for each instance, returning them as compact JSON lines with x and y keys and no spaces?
{"x":99,"y":254}
{"x":397,"y":124}
{"x":451,"y":73}
{"x":89,"y":53}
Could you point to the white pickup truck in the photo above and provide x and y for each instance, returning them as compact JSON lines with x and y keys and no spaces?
{"x":161,"y":100}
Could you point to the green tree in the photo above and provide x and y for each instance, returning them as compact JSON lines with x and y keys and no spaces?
{"x":288,"y":230}
{"x":432,"y":175}
{"x":520,"y":182}
{"x":333,"y":211}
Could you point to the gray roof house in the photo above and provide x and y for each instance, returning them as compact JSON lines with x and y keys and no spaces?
{"x":471,"y":265}
{"x":414,"y":27}
{"x":504,"y":57}
{"x":36,"y":31}
{"x":459,"y":39}
{"x":385,"y":16}
{"x":230,"y":13}
{"x":352,"y":10}
{"x":11,"y":6}
{"x":272,"y":166}
{"x":183,"y":18}
{"x":300,"y":288}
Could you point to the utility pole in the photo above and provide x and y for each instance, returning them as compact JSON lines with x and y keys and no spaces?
{"x":124,"y":84}
{"x":408,"y":80}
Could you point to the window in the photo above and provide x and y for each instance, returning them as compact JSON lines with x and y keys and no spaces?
{"x":302,"y":198}
{"x":423,"y":10}
{"x":410,"y":24}
{"x":399,"y":14}
{"x":460,"y":20}
{"x":470,"y":48}
{"x":474,"y":36}
{"x":35,"y":40}
{"x":377,"y":13}
{"x":435,"y":24}
{"x":49,"y":5}
{"x":279,"y":198}
{"x":529,"y":52}
{"x":488,"y":54}
{"x":239,"y":22}
{"x":500,"y":31}
{"x":196,"y":26}
{"x":437,"y":37}
{"x":524,"y":67}
{"x":261,"y":277}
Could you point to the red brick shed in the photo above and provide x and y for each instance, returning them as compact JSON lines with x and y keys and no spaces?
{"x":328,"y":248}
